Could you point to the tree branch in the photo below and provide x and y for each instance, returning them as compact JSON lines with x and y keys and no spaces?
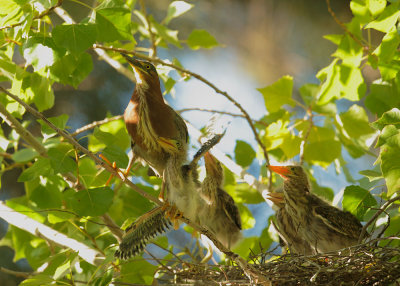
{"x":95,"y":124}
{"x":41,"y":15}
{"x":24,"y":133}
{"x":36,"y":228}
{"x":375,"y":216}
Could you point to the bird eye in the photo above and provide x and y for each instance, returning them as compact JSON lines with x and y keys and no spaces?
{"x":148,"y":67}
{"x":292,"y":168}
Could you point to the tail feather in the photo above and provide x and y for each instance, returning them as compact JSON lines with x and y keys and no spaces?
{"x":140,"y":232}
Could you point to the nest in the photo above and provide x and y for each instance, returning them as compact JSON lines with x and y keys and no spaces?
{"x":366,"y":264}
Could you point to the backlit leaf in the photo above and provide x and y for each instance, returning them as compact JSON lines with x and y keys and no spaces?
{"x":278,"y":94}
{"x":357,"y":201}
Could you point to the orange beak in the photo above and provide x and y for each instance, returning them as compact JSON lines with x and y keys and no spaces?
{"x":281,"y":170}
{"x":276,"y":198}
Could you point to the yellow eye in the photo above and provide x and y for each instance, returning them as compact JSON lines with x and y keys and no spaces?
{"x":148,"y":67}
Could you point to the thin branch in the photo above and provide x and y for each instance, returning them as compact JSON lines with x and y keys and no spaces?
{"x":341,"y":24}
{"x":248,"y":269}
{"x":23,"y":132}
{"x":153,"y":50}
{"x":36,"y":228}
{"x":199,"y":77}
{"x":95,"y":124}
{"x":211,"y":111}
{"x":16,"y":273}
{"x":306,"y":135}
{"x":41,"y":15}
{"x":375,"y":216}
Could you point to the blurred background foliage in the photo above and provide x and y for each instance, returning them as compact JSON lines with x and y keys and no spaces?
{"x":330,"y":104}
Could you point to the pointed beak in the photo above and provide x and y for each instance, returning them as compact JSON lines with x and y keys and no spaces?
{"x":133,"y":62}
{"x":211,"y":163}
{"x":281,"y":170}
{"x":276,"y":198}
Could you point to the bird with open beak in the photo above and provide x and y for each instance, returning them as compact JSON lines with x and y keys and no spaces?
{"x":325,"y":227}
{"x":286,"y":228}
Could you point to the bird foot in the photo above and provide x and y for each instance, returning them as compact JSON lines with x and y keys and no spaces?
{"x":114,"y":166}
{"x":172,"y":213}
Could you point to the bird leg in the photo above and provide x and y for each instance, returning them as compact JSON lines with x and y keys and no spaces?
{"x":112,"y":165}
{"x":161,"y":196}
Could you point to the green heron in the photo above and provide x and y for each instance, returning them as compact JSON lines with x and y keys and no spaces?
{"x":325,"y":227}
{"x":220,"y":213}
{"x":182,"y":183}
{"x":288,"y":232}
{"x":158,"y":132}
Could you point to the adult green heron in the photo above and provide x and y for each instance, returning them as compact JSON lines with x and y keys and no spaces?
{"x":158,"y":132}
{"x":325,"y":227}
{"x":288,"y":232}
{"x":220,"y":213}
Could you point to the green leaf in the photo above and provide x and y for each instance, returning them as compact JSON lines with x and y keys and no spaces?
{"x":247,"y":217}
{"x":330,"y":76}
{"x":243,"y":193}
{"x":90,"y":202}
{"x":40,"y":168}
{"x":19,"y":205}
{"x":278,"y":94}
{"x":388,"y":48}
{"x":387,"y":19}
{"x":58,"y":121}
{"x":390,"y":166}
{"x":72,"y":69}
{"x":60,"y":216}
{"x":355,"y":121}
{"x":322,"y":192}
{"x":38,"y":280}
{"x":349,"y":51}
{"x":60,"y":158}
{"x":24,"y":155}
{"x":382,"y":98}
{"x":47,"y":196}
{"x":334,"y":38}
{"x":176,"y":9}
{"x":113,"y":23}
{"x":201,"y":39}
{"x":360,"y":10}
{"x":76,"y":38}
{"x":244,"y":153}
{"x":322,"y":152}
{"x":390,"y":136}
{"x":170,"y":36}
{"x":371,"y":175}
{"x":391,"y":117}
{"x":376,"y":6}
{"x":357,"y":201}
{"x":40,"y":52}
{"x":137,"y":271}
{"x":115,"y":154}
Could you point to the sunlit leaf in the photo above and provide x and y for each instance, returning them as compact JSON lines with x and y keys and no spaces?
{"x":387,"y":19}
{"x":176,"y":9}
{"x":355,"y":121}
{"x":201,"y":39}
{"x":391,"y":117}
{"x":357,"y":201}
{"x":278,"y":94}
{"x":390,"y":166}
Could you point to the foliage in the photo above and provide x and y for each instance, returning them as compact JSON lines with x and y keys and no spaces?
{"x":302,"y":125}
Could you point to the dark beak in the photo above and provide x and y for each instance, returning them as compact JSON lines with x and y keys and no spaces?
{"x":133,"y":62}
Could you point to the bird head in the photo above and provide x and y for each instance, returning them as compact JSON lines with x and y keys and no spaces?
{"x":145,"y":73}
{"x":213,"y":168}
{"x":291,"y":173}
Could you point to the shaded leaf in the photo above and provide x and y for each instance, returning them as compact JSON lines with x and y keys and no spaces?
{"x":357,"y":201}
{"x":24,"y":155}
{"x":390,"y":166}
{"x":90,"y":202}
{"x":244,"y":153}
{"x":76,"y":38}
{"x":60,"y":159}
{"x":355,"y":121}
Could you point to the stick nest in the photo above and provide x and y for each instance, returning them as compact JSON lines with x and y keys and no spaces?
{"x":366,"y":264}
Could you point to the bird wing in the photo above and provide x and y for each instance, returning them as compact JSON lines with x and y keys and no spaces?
{"x":341,"y":221}
{"x":230,"y":208}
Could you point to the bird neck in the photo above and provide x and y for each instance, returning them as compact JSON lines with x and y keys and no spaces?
{"x":210,"y":189}
{"x":144,"y":100}
{"x":295,"y":197}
